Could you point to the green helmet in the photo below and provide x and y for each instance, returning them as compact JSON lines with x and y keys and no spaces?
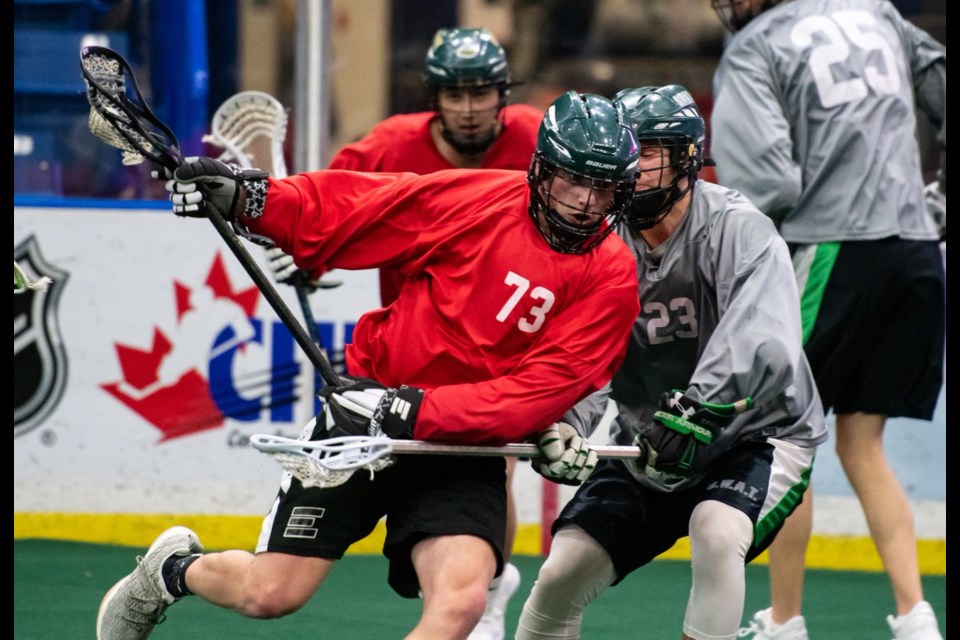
{"x":735,"y":14}
{"x":665,"y":117}
{"x":589,"y":141}
{"x":466,"y":57}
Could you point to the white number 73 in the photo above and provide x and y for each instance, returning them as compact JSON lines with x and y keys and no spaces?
{"x":538,"y":312}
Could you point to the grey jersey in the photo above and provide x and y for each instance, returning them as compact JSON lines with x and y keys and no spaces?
{"x":720,"y":320}
{"x":814,"y":119}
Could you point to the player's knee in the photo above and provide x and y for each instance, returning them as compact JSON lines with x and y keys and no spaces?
{"x":720,"y":531}
{"x":272,"y":601}
{"x":462,"y":607}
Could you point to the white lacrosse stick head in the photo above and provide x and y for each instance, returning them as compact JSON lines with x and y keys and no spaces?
{"x":329,"y":462}
{"x":251,"y":127}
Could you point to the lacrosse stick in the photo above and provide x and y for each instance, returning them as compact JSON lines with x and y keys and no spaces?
{"x":120,"y":117}
{"x":251,"y":127}
{"x":331,"y":462}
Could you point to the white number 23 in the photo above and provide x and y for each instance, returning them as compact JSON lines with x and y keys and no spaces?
{"x":537,"y":312}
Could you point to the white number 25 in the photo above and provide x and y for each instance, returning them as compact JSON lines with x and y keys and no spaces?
{"x":538,"y":312}
{"x":840,"y":30}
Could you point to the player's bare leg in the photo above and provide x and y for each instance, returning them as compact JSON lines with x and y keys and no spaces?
{"x":859,"y":447}
{"x":454,"y":574}
{"x":492,"y":625}
{"x":268,"y":585}
{"x":788,"y":555}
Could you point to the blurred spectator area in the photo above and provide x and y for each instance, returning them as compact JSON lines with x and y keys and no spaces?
{"x":190,"y":55}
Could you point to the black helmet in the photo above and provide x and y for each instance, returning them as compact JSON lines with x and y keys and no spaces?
{"x":665,"y":117}
{"x":585,"y":139}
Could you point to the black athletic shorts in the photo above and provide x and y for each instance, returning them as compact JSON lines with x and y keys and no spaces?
{"x":635,"y":524}
{"x":873,"y":324}
{"x":421,"y":495}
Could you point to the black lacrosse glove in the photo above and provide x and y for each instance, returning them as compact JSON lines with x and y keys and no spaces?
{"x":364,"y":407}
{"x":206,"y":182}
{"x":674,"y":446}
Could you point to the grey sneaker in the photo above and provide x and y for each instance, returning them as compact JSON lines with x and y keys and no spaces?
{"x":762,"y":627}
{"x":136,"y":604}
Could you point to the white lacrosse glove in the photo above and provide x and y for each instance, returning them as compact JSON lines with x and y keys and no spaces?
{"x":364,"y":407}
{"x":282,"y":266}
{"x":565,"y":456}
{"x":937,"y":207}
{"x":286,"y":272}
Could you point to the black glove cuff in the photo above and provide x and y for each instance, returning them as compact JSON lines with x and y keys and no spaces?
{"x":255,"y":182}
{"x":397,"y":412}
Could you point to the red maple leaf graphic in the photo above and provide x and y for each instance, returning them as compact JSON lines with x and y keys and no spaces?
{"x":186,"y":406}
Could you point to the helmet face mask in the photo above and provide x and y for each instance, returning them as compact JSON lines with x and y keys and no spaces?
{"x":467,"y":63}
{"x":583,"y":172}
{"x":671,"y":133}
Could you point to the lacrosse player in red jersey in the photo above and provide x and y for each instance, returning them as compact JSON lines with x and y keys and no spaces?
{"x":470,"y":126}
{"x":517,"y":303}
{"x":714,"y":388}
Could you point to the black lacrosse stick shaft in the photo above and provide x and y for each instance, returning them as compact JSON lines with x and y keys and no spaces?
{"x":308,"y":344}
{"x":116,"y":97}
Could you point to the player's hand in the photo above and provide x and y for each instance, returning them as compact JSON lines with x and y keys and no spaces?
{"x":202,"y":183}
{"x":286,"y":272}
{"x":676,"y":441}
{"x":282,"y":266}
{"x":565,"y":456}
{"x":363,"y":407}
{"x":937,"y":207}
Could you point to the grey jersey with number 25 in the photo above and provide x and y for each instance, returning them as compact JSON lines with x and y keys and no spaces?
{"x":814,"y":119}
{"x":720,"y":320}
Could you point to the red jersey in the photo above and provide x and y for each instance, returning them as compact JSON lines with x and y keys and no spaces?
{"x":403,"y":143}
{"x":504,"y":333}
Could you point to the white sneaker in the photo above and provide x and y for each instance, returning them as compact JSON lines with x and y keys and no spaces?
{"x":762,"y":627}
{"x":491,"y":625}
{"x":136,"y":604}
{"x":919,"y":624}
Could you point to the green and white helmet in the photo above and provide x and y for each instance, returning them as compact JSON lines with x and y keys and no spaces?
{"x":585,"y":139}
{"x":665,"y":117}
{"x":466,"y":58}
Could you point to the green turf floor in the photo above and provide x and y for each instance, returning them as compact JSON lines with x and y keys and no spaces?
{"x":58,"y":586}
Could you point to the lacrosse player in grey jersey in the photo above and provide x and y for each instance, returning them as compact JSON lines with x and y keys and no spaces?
{"x":715,"y":389}
{"x":815,"y":121}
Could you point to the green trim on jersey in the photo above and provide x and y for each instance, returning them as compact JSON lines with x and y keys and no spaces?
{"x":765,"y":525}
{"x":813,"y":264}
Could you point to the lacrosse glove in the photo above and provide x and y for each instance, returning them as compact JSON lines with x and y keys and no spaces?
{"x":286,"y":272}
{"x":936,"y":199}
{"x":564,"y":456}
{"x":675,"y":445}
{"x":364,"y":407}
{"x":200,"y":183}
